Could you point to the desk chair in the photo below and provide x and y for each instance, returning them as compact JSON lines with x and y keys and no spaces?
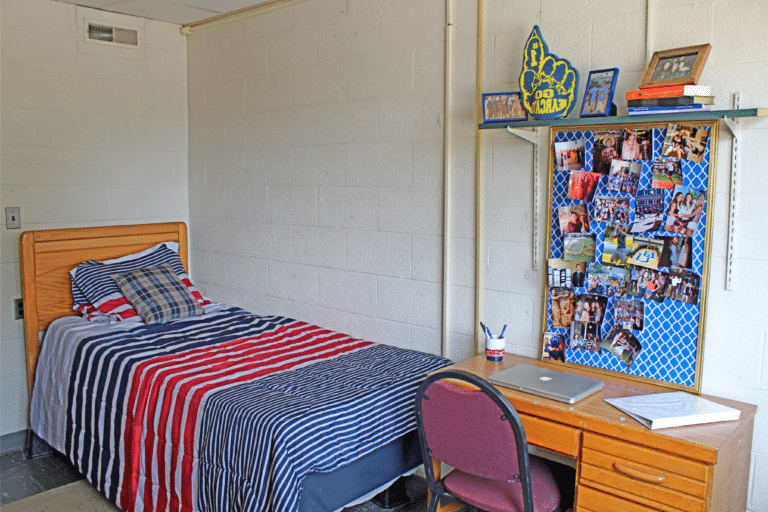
{"x":480,"y":435}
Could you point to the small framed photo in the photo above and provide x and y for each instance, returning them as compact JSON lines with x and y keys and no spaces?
{"x":598,"y":96}
{"x":503,"y":106}
{"x":678,"y":66}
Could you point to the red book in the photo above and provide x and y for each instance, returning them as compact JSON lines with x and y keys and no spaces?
{"x":669,"y":91}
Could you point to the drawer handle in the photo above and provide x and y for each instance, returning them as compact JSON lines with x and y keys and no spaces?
{"x":638,"y":474}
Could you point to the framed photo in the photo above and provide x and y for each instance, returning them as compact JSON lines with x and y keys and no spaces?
{"x":503,"y":106}
{"x":678,"y":66}
{"x":598,"y":96}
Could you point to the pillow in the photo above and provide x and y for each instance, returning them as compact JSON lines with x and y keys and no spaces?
{"x":157,"y":293}
{"x":95,"y":294}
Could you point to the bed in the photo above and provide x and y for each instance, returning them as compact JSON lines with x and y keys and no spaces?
{"x":216,"y":410}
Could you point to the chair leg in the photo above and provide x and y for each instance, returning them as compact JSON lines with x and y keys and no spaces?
{"x":433,"y":500}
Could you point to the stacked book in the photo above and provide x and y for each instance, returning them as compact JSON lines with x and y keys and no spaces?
{"x":669,"y":99}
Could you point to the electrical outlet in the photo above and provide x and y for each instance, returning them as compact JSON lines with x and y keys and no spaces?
{"x":18,"y":309}
{"x":13,"y":217}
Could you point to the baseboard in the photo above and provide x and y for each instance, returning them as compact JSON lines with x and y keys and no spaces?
{"x":13,"y":442}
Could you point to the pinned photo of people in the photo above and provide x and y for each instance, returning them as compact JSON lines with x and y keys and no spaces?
{"x":585,"y":336}
{"x":649,"y":211}
{"x":685,"y":210}
{"x":565,"y":273}
{"x":563,"y":301}
{"x":629,"y":314}
{"x":554,"y":346}
{"x":676,"y":252}
{"x":569,"y":155}
{"x":590,"y":309}
{"x":667,"y":172}
{"x":616,"y":244}
{"x":608,"y":281}
{"x":636,"y":145}
{"x":685,"y":142}
{"x":573,"y":219}
{"x":647,"y":283}
{"x":682,"y":286}
{"x":604,"y":150}
{"x":645,"y":252}
{"x":579,"y":247}
{"x":623,"y":344}
{"x":612,"y":209}
{"x":624,"y":176}
{"x":582,"y":185}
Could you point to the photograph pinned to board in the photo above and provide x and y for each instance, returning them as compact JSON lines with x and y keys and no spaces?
{"x":636,"y":145}
{"x":649,"y":211}
{"x":579,"y":247}
{"x":598,"y":93}
{"x":645,"y":251}
{"x":682,"y":286}
{"x":623,"y":344}
{"x":676,"y":252}
{"x":554,"y":346}
{"x":686,"y":142}
{"x":585,"y":336}
{"x":582,"y":185}
{"x":563,"y":304}
{"x":611,"y":209}
{"x":667,"y":172}
{"x":607,"y":280}
{"x":624,"y":176}
{"x":590,"y":308}
{"x":647,"y":283}
{"x":685,"y":210}
{"x":604,"y":146}
{"x":616,"y":244}
{"x":573,"y":218}
{"x":565,"y":273}
{"x":629,"y":314}
{"x":569,"y":155}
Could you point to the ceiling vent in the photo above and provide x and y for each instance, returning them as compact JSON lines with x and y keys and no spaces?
{"x":112,"y":35}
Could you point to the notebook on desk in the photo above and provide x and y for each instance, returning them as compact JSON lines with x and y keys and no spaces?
{"x":561,"y":386}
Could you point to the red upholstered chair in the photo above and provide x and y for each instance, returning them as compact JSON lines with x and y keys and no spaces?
{"x":480,"y":435}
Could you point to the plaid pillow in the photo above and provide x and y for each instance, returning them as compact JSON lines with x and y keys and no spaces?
{"x":157,"y":293}
{"x":96,"y":295}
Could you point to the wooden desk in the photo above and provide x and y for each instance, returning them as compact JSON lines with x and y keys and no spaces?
{"x":623,"y":466}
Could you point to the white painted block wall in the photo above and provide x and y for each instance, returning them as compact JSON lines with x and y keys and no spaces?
{"x":86,"y":140}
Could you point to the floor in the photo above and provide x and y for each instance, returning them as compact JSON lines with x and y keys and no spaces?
{"x":21,"y":477}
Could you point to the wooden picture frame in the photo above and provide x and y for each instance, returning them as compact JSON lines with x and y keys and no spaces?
{"x":503,"y":107}
{"x":677,"y":66}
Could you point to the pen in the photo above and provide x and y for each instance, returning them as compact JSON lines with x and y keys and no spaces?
{"x":486,"y":330}
{"x":502,"y":331}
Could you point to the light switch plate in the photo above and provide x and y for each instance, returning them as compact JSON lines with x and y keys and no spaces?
{"x":13,"y":217}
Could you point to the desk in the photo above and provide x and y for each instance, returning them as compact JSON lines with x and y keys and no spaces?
{"x":623,"y":466}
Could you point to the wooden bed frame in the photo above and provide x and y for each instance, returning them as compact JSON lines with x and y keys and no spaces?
{"x":47,"y":256}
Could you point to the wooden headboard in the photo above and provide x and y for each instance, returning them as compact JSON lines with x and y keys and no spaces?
{"x":47,"y":256}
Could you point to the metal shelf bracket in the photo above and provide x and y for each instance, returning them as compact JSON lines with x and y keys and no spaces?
{"x":733,"y":125}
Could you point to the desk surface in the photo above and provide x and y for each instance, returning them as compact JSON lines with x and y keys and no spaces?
{"x":700,"y":442}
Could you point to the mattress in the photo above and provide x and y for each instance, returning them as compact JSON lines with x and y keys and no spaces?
{"x":227,"y":411}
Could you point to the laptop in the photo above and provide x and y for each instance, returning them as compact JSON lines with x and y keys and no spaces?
{"x":561,"y":386}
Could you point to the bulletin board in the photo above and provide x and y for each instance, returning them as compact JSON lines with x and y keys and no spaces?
{"x":628,"y":248}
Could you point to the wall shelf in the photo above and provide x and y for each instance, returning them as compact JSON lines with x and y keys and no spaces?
{"x":652,"y":118}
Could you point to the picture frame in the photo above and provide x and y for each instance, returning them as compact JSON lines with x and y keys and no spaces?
{"x":598,"y":93}
{"x":503,"y":107}
{"x":676,"y":66}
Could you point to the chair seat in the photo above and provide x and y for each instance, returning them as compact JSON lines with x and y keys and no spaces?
{"x":505,"y":496}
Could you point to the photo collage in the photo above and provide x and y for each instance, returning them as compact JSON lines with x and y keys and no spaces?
{"x":626,"y":223}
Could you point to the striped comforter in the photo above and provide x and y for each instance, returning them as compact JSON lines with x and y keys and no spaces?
{"x":226,"y":412}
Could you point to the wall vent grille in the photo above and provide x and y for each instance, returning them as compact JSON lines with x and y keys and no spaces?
{"x":101,"y":33}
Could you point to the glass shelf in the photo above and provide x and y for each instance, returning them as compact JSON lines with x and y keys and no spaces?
{"x":651,"y":118}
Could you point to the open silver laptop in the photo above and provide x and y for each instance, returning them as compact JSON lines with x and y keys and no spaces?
{"x":561,"y":386}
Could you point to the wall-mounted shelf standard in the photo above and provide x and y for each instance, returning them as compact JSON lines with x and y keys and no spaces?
{"x":652,"y":118}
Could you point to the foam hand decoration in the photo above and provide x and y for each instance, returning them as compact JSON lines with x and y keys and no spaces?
{"x":548,"y":83}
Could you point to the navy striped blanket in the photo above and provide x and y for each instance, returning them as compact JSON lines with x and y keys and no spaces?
{"x":231,"y":413}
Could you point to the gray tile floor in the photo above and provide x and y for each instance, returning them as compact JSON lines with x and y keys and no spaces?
{"x":21,"y":477}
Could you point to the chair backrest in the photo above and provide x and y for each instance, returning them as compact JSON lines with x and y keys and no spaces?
{"x":476,"y":431}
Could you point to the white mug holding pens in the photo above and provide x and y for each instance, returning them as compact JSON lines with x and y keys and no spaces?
{"x":494,"y":346}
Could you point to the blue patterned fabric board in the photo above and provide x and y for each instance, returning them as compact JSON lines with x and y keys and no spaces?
{"x":670,"y":335}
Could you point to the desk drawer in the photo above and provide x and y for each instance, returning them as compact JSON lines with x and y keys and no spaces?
{"x":643,"y":474}
{"x":552,"y":436}
{"x":591,"y":500}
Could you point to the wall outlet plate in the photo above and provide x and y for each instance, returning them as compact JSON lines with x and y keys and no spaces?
{"x":18,"y":309}
{"x":13,"y":217}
